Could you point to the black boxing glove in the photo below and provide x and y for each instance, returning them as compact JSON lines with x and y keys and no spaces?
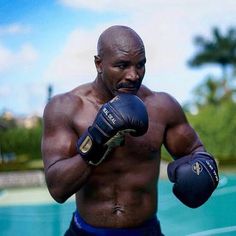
{"x":124,"y":113}
{"x":195,"y":177}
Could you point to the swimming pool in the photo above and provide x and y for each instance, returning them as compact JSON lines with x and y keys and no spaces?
{"x":216,"y":217}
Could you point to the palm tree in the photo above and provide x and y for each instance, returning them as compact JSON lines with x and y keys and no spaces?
{"x":208,"y":92}
{"x":219,"y":50}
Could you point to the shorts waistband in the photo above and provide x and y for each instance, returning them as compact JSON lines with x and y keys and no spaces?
{"x":150,"y":227}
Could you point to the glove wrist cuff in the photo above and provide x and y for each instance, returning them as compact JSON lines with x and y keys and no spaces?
{"x":89,"y":150}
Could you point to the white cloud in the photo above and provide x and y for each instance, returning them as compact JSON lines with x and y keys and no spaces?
{"x":144,"y":6}
{"x":33,"y":97}
{"x":5,"y":58}
{"x":167,"y":28}
{"x":5,"y":90}
{"x":14,"y":28}
{"x":10,"y":59}
{"x":27,"y":54}
{"x":74,"y":64}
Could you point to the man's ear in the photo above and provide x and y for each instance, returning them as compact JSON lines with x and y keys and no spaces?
{"x":98,"y":63}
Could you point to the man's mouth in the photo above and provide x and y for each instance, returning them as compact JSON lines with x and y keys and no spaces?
{"x":128,"y":86}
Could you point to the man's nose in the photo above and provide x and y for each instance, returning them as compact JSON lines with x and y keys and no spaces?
{"x":132,"y":74}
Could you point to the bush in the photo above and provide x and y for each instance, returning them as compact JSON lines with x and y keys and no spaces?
{"x":216,"y":126}
{"x":22,"y":141}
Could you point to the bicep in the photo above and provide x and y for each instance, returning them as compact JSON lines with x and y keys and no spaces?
{"x":181,"y":140}
{"x":58,"y":139}
{"x":57,"y":146}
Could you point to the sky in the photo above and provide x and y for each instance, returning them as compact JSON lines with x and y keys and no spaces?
{"x":53,"y":42}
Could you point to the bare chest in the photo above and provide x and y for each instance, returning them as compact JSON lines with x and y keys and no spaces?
{"x":145,"y":146}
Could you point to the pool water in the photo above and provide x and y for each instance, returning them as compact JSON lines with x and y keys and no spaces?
{"x":216,"y":217}
{"x":35,"y":220}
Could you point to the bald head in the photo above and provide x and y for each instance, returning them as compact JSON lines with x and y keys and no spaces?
{"x":118,"y":36}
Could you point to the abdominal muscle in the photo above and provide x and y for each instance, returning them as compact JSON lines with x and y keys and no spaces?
{"x":120,"y":194}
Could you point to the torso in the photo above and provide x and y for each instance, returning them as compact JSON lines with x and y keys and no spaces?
{"x":122,"y":191}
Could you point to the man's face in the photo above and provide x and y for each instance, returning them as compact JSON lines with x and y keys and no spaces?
{"x":122,"y":68}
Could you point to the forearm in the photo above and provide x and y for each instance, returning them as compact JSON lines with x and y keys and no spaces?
{"x":182,"y":140}
{"x":65,"y":177}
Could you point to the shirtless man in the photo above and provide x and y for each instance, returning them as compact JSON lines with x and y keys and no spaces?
{"x":102,"y":142}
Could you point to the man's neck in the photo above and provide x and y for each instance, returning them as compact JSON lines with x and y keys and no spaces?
{"x":100,"y":91}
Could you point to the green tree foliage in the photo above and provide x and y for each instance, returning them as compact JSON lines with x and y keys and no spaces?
{"x":21,"y":141}
{"x":216,"y":126}
{"x":211,"y":92}
{"x":214,"y":98}
{"x":219,"y":50}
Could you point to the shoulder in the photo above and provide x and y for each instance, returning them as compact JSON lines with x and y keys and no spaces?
{"x":62,"y":104}
{"x":66,"y":104}
{"x":164,"y":104}
{"x":158,"y":99}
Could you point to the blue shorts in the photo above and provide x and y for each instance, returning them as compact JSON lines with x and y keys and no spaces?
{"x":79,"y":227}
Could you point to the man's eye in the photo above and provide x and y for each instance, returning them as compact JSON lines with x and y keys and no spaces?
{"x":121,"y":66}
{"x":140,"y":65}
